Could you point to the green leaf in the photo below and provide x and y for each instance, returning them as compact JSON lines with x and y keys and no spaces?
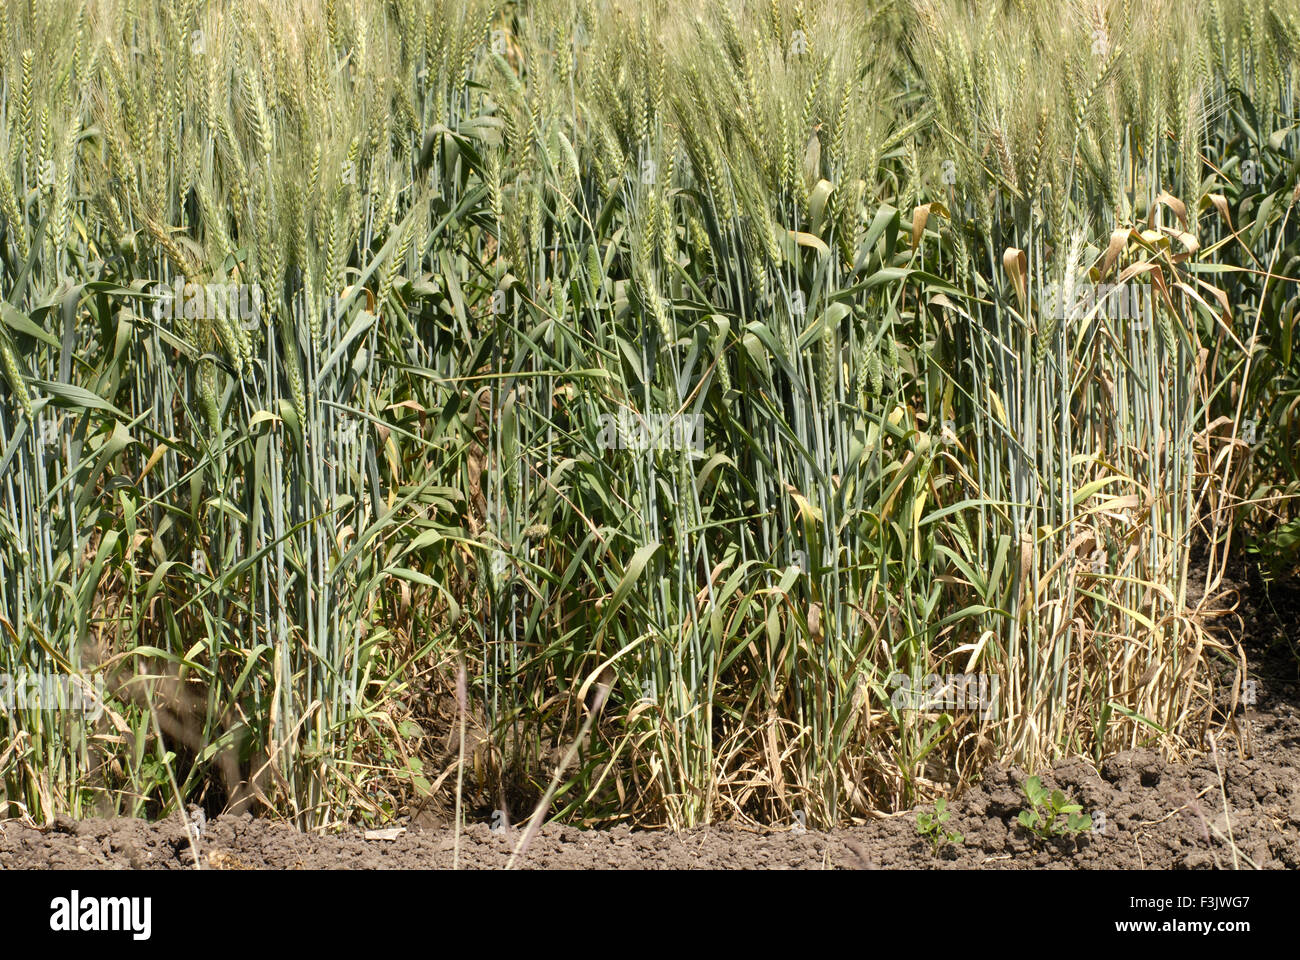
{"x":630,"y":576}
{"x":1034,"y":790}
{"x":19,"y":321}
{"x":66,"y":395}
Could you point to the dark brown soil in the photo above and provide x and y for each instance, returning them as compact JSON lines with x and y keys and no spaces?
{"x":1157,"y":815}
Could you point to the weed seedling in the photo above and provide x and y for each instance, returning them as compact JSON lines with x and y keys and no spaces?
{"x":1051,"y":815}
{"x":931,"y":826}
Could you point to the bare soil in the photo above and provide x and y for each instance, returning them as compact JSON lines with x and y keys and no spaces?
{"x":1236,"y":806}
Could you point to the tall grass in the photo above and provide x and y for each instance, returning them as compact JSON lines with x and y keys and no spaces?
{"x":485,"y":240}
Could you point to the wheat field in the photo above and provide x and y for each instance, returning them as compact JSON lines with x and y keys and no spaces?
{"x":688,"y":411}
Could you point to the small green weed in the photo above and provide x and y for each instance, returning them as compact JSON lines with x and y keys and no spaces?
{"x":1052,"y":815}
{"x":931,"y":827}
